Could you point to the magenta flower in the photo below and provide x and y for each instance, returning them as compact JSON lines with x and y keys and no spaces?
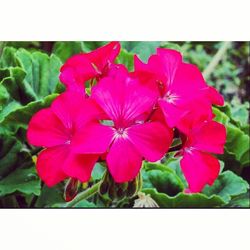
{"x":179,"y":84}
{"x":85,"y":66}
{"x":198,"y":165}
{"x":56,"y":128}
{"x":128,"y":117}
{"x":130,"y":136}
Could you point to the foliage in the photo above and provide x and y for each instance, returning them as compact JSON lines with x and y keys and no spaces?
{"x":29,"y":81}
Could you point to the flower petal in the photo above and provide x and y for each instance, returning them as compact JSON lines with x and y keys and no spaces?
{"x":170,"y":59}
{"x":94,"y":138}
{"x":199,"y":110}
{"x":76,"y":71}
{"x":46,"y":130}
{"x":49,"y":164}
{"x":74,"y":110}
{"x":80,"y":166}
{"x":103,"y":56}
{"x":151,"y":139}
{"x":215,"y":97}
{"x":188,"y":83}
{"x":124,"y":161}
{"x":123,"y":100}
{"x":209,"y":137}
{"x":172,"y":112}
{"x":199,"y":169}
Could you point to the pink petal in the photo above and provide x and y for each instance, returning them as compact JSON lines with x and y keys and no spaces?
{"x":172,"y":112}
{"x":199,"y":110}
{"x":170,"y":59}
{"x":209,"y":137}
{"x":123,"y":100}
{"x":104,"y":55}
{"x":80,"y":166}
{"x":49,"y":164}
{"x":188,"y":83}
{"x":215,"y":97}
{"x":151,"y":75}
{"x":151,"y":139}
{"x":94,"y":138}
{"x":124,"y":161}
{"x":76,"y":71}
{"x":46,"y":130}
{"x":74,"y":110}
{"x":199,"y":169}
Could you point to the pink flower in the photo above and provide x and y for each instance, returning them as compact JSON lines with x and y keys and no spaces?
{"x":198,"y":165}
{"x":178,"y":84}
{"x":130,"y":136}
{"x":85,"y":66}
{"x":56,"y":128}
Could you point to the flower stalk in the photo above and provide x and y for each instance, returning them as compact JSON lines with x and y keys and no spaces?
{"x":216,"y":59}
{"x":84,"y":195}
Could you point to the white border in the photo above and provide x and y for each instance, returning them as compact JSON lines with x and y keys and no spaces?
{"x":124,"y":229}
{"x":180,"y":20}
{"x":124,"y":20}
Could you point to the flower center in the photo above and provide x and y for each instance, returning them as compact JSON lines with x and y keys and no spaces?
{"x":171,"y":97}
{"x":120,"y":133}
{"x":189,"y":150}
{"x":68,"y":142}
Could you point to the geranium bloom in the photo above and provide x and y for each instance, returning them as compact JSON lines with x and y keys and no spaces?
{"x":198,"y":165}
{"x":178,"y":84}
{"x":85,"y":66}
{"x":56,"y":128}
{"x":130,"y":136}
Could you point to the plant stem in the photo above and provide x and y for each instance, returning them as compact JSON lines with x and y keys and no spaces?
{"x":216,"y":59}
{"x":84,"y":195}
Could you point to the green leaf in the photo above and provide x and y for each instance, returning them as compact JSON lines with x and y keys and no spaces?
{"x":64,"y":50}
{"x":168,"y":45}
{"x":174,"y":164}
{"x":162,"y":178}
{"x":126,"y":58}
{"x":23,"y":180}
{"x":50,"y":196}
{"x":142,"y":49}
{"x":29,"y":44}
{"x":85,"y":203}
{"x":14,"y":115}
{"x":4,"y":96}
{"x":238,"y":142}
{"x":42,"y":71}
{"x":221,"y":117}
{"x":98,"y":172}
{"x":237,"y":112}
{"x":9,"y":154}
{"x":8,"y":57}
{"x":13,"y":80}
{"x":240,"y":113}
{"x":227,"y":185}
{"x":183,"y":200}
{"x":242,"y":200}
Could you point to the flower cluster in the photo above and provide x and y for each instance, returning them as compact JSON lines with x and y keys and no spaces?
{"x":121,"y":117}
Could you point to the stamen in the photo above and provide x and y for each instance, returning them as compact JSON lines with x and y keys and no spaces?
{"x":120,"y":133}
{"x":189,"y":150}
{"x":171,"y":97}
{"x":68,"y":142}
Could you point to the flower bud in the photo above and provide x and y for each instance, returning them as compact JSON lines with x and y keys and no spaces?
{"x":71,"y":189}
